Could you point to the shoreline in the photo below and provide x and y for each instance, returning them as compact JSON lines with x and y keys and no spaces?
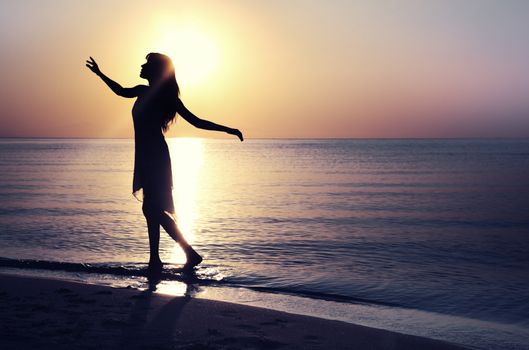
{"x":44,"y":313}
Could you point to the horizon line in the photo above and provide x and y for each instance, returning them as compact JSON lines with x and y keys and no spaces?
{"x":275,"y":138}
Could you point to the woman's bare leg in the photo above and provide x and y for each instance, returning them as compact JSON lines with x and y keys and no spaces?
{"x":153,"y":226}
{"x":169,"y":225}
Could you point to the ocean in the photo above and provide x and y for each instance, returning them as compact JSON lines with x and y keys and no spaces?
{"x":422,"y":236}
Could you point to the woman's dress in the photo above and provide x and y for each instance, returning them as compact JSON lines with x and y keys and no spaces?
{"x":152,"y":163}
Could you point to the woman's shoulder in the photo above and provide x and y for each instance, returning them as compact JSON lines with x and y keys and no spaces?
{"x":179,"y":104}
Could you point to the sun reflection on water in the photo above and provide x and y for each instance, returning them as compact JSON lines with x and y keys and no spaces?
{"x":187,"y":157}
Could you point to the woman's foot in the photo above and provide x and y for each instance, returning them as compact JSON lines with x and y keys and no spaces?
{"x":193,"y":259}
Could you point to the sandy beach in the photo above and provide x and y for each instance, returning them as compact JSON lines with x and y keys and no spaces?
{"x":38,"y":313}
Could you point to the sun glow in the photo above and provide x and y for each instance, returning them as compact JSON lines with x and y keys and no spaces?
{"x":187,"y":156}
{"x":194,"y":53}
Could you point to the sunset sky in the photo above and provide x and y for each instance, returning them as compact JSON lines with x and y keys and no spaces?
{"x":274,"y":69}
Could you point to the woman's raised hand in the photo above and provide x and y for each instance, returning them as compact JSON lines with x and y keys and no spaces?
{"x":237,"y":133}
{"x":92,"y":65}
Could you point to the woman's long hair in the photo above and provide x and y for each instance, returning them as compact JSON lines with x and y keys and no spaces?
{"x":166,"y":88}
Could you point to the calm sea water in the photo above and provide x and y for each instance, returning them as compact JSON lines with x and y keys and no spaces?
{"x":440,"y":226}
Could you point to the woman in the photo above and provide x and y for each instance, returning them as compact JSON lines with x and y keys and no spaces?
{"x":155,"y":108}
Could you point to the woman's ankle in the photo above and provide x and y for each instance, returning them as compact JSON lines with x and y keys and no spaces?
{"x":155,"y":261}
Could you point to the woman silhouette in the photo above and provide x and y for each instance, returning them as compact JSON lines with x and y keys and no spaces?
{"x":155,"y":108}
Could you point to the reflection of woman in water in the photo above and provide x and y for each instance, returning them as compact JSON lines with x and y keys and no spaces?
{"x":155,"y":108}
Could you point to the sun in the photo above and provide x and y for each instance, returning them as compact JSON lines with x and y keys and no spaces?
{"x":195,"y":54}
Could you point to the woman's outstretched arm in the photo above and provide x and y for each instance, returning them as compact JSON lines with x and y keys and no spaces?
{"x":205,"y":124}
{"x":115,"y":87}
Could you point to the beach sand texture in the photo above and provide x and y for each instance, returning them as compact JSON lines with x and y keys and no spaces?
{"x":38,"y":313}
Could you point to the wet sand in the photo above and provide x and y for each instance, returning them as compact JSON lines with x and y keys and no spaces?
{"x":38,"y":313}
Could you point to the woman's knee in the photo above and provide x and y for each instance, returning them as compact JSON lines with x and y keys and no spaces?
{"x":150,"y":211}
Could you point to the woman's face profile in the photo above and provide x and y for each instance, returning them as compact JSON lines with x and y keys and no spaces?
{"x":146,"y":70}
